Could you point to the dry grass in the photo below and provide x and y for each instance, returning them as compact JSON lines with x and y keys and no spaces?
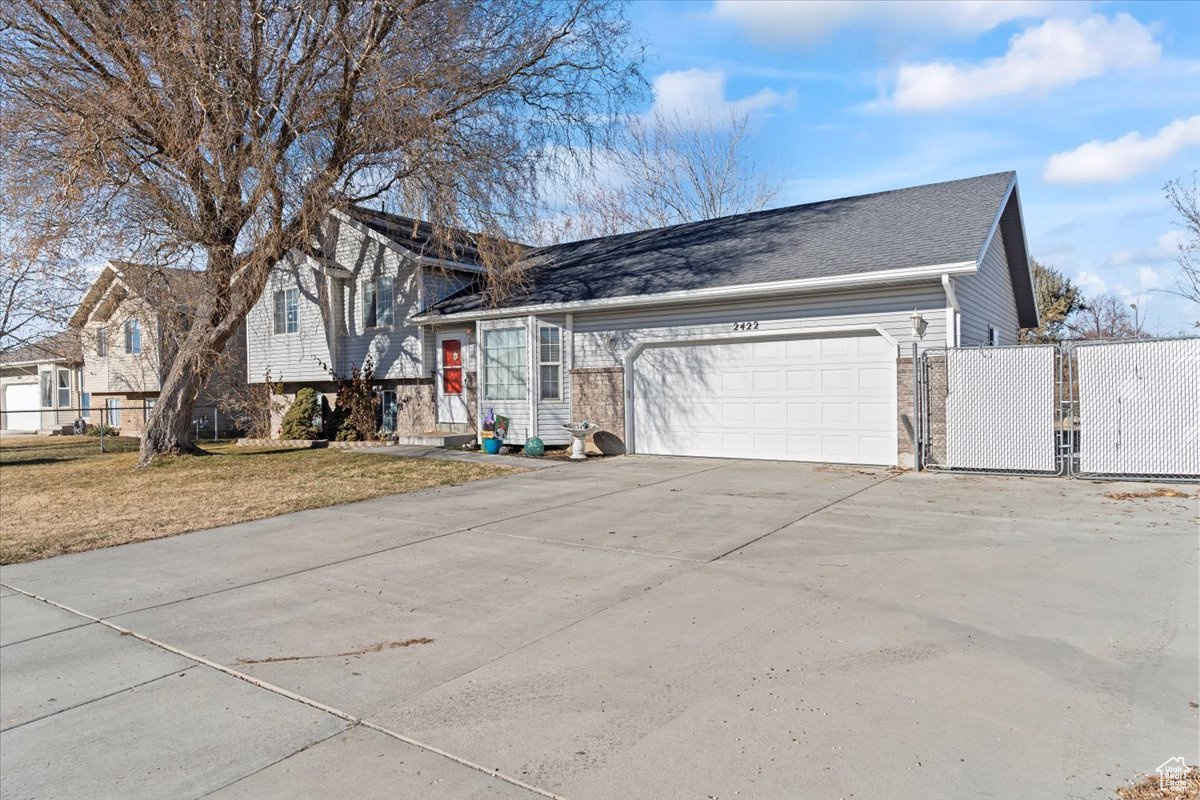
{"x":60,"y":495}
{"x":1146,"y":788}
{"x":1159,"y":492}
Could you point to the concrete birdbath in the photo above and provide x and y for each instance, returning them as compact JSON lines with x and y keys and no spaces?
{"x":579,"y":433}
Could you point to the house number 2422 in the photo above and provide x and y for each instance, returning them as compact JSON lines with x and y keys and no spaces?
{"x":745,"y":326}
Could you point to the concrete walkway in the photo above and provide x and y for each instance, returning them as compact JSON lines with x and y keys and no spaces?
{"x":635,"y":627}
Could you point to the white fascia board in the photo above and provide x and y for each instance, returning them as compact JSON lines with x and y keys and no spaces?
{"x":750,"y":290}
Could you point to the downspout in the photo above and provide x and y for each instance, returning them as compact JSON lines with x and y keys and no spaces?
{"x":952,"y":311}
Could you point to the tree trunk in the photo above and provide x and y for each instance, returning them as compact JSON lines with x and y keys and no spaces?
{"x":169,"y":430}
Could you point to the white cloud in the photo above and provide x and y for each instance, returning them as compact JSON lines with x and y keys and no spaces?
{"x":1059,"y":52}
{"x":1116,"y":160}
{"x":700,"y":94}
{"x":807,"y":21}
{"x":1091,"y":283}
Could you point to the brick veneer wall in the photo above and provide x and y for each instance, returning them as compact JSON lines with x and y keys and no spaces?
{"x":905,"y":424}
{"x":598,"y":395}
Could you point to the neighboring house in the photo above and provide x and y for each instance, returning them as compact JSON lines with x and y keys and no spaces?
{"x":41,"y":385}
{"x":127,"y":323}
{"x":782,"y":334}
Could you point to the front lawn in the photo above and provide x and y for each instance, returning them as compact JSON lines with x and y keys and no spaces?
{"x":61,"y":495}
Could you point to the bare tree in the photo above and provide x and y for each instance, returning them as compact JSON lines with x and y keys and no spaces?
{"x":665,"y":170}
{"x":1107,"y":317}
{"x":1185,"y":200}
{"x":220,"y":133}
{"x":42,"y":273}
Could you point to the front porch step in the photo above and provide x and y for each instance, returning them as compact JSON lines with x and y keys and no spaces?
{"x":437,"y":439}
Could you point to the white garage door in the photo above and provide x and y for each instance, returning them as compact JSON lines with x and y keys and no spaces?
{"x":813,"y":399}
{"x":21,"y":407}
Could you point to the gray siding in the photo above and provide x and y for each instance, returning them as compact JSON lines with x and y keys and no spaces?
{"x":289,"y":356}
{"x":603,"y":338}
{"x":440,"y":283}
{"x":986,"y":298}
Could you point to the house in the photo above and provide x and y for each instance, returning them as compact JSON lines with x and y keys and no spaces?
{"x":781,"y":334}
{"x":127,"y":324}
{"x":41,"y":385}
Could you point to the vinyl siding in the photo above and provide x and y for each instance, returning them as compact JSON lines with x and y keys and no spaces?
{"x":603,"y":338}
{"x":120,"y":372}
{"x":986,"y":298}
{"x":396,"y":350}
{"x":289,"y":357}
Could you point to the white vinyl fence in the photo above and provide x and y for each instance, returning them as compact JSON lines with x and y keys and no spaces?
{"x":1139,"y":407}
{"x":1128,"y":409}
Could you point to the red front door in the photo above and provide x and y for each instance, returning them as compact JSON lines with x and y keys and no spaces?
{"x":452,"y":378}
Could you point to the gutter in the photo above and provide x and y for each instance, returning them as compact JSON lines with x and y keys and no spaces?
{"x":952,"y":305}
{"x":753,"y":290}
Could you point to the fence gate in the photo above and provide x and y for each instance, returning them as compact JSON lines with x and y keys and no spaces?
{"x":992,"y":409}
{"x":1127,"y":409}
{"x":1139,"y":408}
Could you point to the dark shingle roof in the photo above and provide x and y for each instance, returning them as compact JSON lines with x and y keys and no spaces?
{"x":418,"y":236}
{"x":61,"y":346}
{"x":939,"y":223}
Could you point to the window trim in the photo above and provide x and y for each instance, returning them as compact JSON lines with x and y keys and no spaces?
{"x":133,"y":336}
{"x":46,"y":388}
{"x":558,"y":395}
{"x":279,"y":301}
{"x":371,"y":311}
{"x":993,"y":339}
{"x":59,"y":388}
{"x":148,"y":404}
{"x":522,"y":368}
{"x":112,"y":412}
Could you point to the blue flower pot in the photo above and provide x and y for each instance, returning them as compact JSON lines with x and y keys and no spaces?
{"x":492,"y":446}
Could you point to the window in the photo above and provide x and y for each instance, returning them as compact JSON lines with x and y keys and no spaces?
{"x":101,"y":342}
{"x":85,"y":404}
{"x":47,"y":384}
{"x":504,"y":364}
{"x":287,"y":311}
{"x":113,"y":406}
{"x":378,"y":302}
{"x":64,"y":388}
{"x":387,"y":411}
{"x":550,"y":362}
{"x":133,"y":336}
{"x":993,"y":336}
{"x":147,"y":407}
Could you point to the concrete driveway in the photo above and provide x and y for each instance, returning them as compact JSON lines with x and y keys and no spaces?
{"x":632,"y":628}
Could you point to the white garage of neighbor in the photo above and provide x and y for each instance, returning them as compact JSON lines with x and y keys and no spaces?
{"x":22,"y":408}
{"x":780,"y":334}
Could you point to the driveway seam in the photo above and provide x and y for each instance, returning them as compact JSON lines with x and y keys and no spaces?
{"x":83,"y":703}
{"x":391,"y":548}
{"x":298,"y":698}
{"x":41,"y":635}
{"x":562,"y":543}
{"x":280,"y":760}
{"x":804,"y":516}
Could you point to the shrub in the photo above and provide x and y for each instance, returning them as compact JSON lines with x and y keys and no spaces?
{"x":107,"y":430}
{"x":356,"y":406}
{"x":298,"y":421}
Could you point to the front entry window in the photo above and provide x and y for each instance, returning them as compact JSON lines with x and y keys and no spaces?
{"x":452,"y":373}
{"x":504,"y":364}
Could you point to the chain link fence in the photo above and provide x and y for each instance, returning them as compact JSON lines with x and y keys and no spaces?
{"x":1113,"y":410}
{"x":111,"y":418}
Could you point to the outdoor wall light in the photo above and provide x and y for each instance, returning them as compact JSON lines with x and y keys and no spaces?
{"x":918,"y":325}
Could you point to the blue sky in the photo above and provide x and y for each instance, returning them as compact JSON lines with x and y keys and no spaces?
{"x":1095,"y":105}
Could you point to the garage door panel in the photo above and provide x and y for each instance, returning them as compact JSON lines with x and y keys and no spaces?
{"x":814,"y":399}
{"x":22,"y":406}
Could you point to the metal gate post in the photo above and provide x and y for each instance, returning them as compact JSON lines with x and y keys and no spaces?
{"x":918,"y":433}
